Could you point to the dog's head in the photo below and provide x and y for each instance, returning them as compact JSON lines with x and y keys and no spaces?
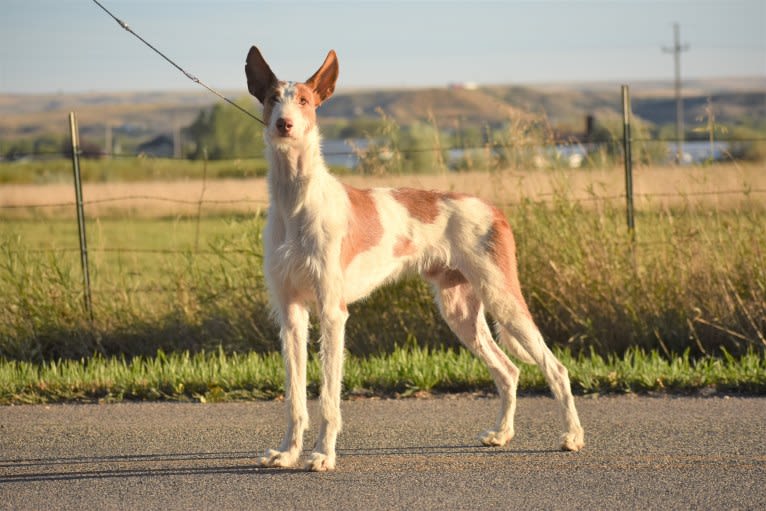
{"x":289,"y":108}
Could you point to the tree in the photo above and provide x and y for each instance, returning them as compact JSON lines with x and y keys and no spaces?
{"x":226,"y":133}
{"x":422,"y":150}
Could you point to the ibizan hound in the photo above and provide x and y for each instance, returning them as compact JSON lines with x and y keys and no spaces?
{"x":329,"y":244}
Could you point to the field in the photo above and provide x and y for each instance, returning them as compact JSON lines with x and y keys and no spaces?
{"x":150,"y":188}
{"x":179,"y":305}
{"x":170,"y":272}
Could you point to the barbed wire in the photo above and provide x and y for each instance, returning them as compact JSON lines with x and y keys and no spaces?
{"x":254,"y":254}
{"x":541,"y":197}
{"x":171,"y":288}
{"x":125,"y":250}
{"x":124,"y":198}
{"x":156,"y":288}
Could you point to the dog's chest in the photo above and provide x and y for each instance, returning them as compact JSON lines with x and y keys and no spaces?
{"x":299,"y":246}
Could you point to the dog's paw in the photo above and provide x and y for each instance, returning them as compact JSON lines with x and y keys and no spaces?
{"x":496,"y":438}
{"x":573,"y":441}
{"x":319,"y":462}
{"x":274,"y":458}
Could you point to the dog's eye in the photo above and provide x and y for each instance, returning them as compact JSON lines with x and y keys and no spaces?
{"x":303,"y":101}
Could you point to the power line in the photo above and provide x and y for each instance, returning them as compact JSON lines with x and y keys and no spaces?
{"x":170,"y":61}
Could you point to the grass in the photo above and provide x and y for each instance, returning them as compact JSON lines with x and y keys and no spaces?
{"x":58,"y":170}
{"x":695,"y":279}
{"x":131,"y":169}
{"x":155,"y":291}
{"x":218,"y":376}
{"x":181,"y":313}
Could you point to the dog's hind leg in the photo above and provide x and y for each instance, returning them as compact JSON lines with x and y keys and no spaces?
{"x":294,"y":334}
{"x":500,"y":292}
{"x":513,"y":346}
{"x":464,"y":313}
{"x":519,"y":324}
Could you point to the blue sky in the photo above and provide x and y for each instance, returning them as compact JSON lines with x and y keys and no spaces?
{"x":72,"y":45}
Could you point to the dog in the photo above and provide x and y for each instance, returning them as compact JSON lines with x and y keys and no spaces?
{"x":327,"y":245}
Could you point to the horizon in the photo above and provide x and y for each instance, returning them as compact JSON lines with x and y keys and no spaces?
{"x":51,"y":47}
{"x":648,"y":86}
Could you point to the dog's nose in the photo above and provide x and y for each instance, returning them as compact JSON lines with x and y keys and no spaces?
{"x":284,"y":126}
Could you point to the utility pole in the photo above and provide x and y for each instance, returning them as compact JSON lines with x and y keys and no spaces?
{"x":108,"y":145}
{"x":676,"y":50}
{"x":176,"y":139}
{"x":176,"y":136}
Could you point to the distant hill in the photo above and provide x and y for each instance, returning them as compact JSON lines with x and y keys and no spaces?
{"x":407,"y":106}
{"x":729,"y":107}
{"x":563,"y":104}
{"x":145,"y":115}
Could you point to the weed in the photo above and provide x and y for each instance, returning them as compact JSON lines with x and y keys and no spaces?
{"x":697,"y":279}
{"x":217,"y":376}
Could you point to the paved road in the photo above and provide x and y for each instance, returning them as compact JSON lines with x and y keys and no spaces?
{"x":641,"y":452}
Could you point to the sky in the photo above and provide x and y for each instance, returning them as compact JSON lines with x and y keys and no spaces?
{"x":54,"y":46}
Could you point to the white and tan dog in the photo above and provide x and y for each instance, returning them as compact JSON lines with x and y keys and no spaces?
{"x":328,"y":244}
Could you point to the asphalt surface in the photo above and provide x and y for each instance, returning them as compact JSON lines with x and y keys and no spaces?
{"x":641,"y":452}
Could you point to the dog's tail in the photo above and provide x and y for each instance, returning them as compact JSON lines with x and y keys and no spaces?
{"x":513,"y":346}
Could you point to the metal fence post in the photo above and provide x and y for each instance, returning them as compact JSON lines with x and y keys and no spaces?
{"x":201,"y":198}
{"x":626,"y":141}
{"x":80,"y":213}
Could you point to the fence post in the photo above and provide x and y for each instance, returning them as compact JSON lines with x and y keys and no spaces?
{"x":80,"y":213}
{"x":201,"y":198}
{"x":626,"y":141}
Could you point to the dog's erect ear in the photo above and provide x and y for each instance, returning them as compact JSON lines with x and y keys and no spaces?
{"x":323,"y":81}
{"x":260,"y":77}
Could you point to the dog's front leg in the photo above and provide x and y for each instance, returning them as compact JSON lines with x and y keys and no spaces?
{"x":333,"y":315}
{"x":294,"y":319}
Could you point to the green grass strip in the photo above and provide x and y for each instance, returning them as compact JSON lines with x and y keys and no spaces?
{"x":218,"y":376}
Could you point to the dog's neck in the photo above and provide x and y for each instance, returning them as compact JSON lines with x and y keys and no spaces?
{"x":292,"y":161}
{"x":294,"y":167}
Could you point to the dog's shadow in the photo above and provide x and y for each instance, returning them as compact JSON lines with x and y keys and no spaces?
{"x":83,"y":468}
{"x":441,"y":450}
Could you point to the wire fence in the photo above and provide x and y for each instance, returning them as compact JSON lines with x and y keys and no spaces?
{"x":260,"y":204}
{"x":198,"y":208}
{"x":9,"y":205}
{"x":153,"y":263}
{"x":542,"y":197}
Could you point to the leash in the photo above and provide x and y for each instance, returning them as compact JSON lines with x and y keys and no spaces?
{"x":186,"y":73}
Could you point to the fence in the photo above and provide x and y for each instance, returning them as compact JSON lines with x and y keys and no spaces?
{"x":202,"y":245}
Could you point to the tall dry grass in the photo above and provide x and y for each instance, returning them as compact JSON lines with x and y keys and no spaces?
{"x":716,"y":186}
{"x":694,"y":277}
